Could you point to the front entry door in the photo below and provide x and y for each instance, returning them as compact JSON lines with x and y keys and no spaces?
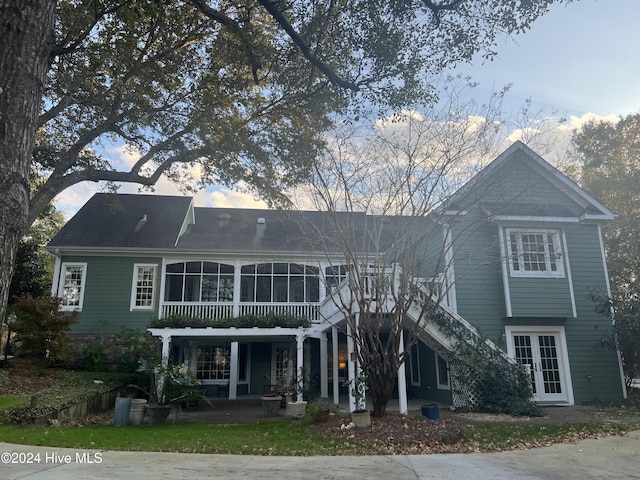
{"x":281,"y":365}
{"x":543,"y":353}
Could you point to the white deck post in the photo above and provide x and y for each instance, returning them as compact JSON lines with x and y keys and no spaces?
{"x":336,"y":366}
{"x":237,"y":275}
{"x":351,"y":367}
{"x":324,"y":371}
{"x":402,"y":381}
{"x":164,"y":361}
{"x":233,"y":372}
{"x":300,"y":362}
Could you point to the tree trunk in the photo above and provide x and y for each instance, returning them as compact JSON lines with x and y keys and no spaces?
{"x":26,"y":40}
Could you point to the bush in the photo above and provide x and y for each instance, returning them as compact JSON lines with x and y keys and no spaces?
{"x":134,"y":346}
{"x":506,"y":389}
{"x":270,"y":320}
{"x":41,"y":328}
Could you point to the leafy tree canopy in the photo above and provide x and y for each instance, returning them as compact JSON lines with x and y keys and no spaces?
{"x":609,"y":167}
{"x":239,"y":92}
{"x":610,"y":170}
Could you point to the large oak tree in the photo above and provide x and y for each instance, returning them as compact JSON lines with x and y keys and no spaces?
{"x":608,"y":156}
{"x":236,"y":92}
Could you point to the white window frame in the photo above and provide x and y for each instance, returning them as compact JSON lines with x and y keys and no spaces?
{"x":439,"y":383}
{"x":414,"y":364}
{"x":556,"y":238}
{"x":61,"y":286}
{"x":135,"y":286}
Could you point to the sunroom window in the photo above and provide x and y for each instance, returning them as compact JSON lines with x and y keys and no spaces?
{"x":280,"y":283}
{"x":198,"y":282}
{"x":535,"y":253}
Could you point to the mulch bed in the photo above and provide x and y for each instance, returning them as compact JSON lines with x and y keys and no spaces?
{"x":396,"y":434}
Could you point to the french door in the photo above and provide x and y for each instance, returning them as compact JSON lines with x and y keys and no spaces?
{"x":281,"y":365}
{"x":544,"y":353}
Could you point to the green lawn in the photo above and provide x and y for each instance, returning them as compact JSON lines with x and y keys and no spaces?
{"x":267,"y":438}
{"x":279,"y":438}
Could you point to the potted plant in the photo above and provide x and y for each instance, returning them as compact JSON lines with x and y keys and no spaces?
{"x":169,"y":386}
{"x":271,"y":404}
{"x":295,"y":408}
{"x":361,"y":417}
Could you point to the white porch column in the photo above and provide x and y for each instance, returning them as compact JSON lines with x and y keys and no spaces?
{"x":324,"y":371}
{"x":233,"y":372}
{"x":300,"y":362}
{"x":237,"y":270}
{"x":402,"y":381}
{"x":336,"y":366}
{"x":164,"y":361}
{"x":351,"y":366}
{"x":166,"y":346}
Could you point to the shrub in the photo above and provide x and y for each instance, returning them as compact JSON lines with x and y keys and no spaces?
{"x":41,"y":327}
{"x":506,"y":389}
{"x":135,"y":345}
{"x":270,"y":320}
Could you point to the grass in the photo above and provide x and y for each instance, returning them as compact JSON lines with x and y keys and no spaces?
{"x":491,"y":437}
{"x":279,"y":438}
{"x":10,"y":400}
{"x":261,"y":438}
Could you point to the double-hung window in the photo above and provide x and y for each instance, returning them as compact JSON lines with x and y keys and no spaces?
{"x":71,"y":285}
{"x":143,"y":287}
{"x":442,"y":373}
{"x":535,"y":252}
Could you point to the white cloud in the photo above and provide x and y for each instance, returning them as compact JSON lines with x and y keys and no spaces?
{"x":550,"y":137}
{"x":228,"y":198}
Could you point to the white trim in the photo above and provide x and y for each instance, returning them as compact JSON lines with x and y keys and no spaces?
{"x":529,"y":219}
{"x":56,"y":275}
{"x":563,"y":237}
{"x":134,"y":287}
{"x":571,"y":189}
{"x":606,"y":276}
{"x":415,"y":367}
{"x":83,"y":283}
{"x":548,"y":273}
{"x":505,"y":272}
{"x":439,"y":384}
{"x":563,"y":353}
{"x":450,"y":275}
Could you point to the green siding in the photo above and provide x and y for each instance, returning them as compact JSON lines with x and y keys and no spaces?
{"x":536,"y":301}
{"x":594,"y":369}
{"x":428,"y":389}
{"x":107,"y":295}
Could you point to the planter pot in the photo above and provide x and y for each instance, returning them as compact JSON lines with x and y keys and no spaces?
{"x":296,"y":409}
{"x":325,"y":413}
{"x":361,"y":418}
{"x":157,"y":414}
{"x":121,"y":411}
{"x":136,"y":414}
{"x":271,"y":406}
{"x":430,"y":410}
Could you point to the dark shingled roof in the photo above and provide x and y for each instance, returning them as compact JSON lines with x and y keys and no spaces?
{"x":116,"y":220}
{"x":235,"y":229}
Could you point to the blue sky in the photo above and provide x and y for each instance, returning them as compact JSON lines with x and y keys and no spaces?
{"x":581,"y":57}
{"x":579,"y":61}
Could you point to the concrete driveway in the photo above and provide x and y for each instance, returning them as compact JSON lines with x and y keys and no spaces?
{"x":610,"y":458}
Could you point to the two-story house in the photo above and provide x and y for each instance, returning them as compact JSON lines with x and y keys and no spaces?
{"x":516,"y":253}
